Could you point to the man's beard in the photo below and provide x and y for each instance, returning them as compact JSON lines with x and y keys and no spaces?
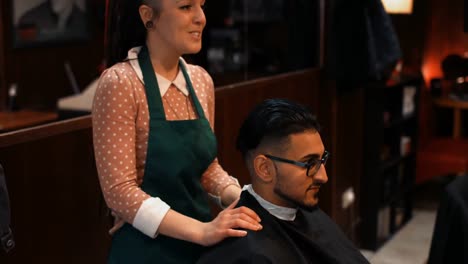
{"x":292,"y":201}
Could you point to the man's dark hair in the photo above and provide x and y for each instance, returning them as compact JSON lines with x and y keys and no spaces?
{"x":274,"y":119}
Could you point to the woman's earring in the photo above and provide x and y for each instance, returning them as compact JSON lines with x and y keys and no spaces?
{"x":149,"y":24}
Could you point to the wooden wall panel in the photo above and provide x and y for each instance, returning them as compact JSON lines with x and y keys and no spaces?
{"x":349,"y":147}
{"x":58,"y":213}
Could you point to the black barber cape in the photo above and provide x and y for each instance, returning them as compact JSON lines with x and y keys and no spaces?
{"x":311,"y":238}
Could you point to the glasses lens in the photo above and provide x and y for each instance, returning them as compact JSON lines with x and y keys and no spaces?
{"x":314,"y":166}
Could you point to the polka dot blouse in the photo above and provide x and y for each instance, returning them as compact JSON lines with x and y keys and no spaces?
{"x":120,"y":133}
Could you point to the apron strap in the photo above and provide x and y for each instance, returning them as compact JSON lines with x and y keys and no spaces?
{"x":153,"y":95}
{"x":200,"y":112}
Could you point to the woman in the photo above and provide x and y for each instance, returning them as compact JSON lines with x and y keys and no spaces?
{"x":155,"y":148}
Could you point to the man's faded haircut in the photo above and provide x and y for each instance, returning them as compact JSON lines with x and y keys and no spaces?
{"x":272,"y":121}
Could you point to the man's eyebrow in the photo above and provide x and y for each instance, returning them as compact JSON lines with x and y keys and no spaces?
{"x":311,"y":156}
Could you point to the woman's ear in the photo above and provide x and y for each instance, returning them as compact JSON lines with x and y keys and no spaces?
{"x":146,"y":14}
{"x":264,"y":168}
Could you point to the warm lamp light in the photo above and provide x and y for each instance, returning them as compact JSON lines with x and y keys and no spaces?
{"x":398,"y":6}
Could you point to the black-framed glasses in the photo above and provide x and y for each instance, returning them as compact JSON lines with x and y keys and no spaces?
{"x":312,"y":165}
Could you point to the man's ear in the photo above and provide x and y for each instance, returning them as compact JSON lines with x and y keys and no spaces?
{"x":146,"y":13}
{"x":264,"y":168}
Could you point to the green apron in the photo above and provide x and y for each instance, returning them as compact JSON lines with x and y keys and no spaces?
{"x":179,"y":152}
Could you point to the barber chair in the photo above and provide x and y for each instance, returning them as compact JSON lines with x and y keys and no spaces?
{"x":6,"y":236}
{"x":450,"y":237}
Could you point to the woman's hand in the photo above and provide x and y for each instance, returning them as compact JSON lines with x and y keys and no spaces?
{"x":227,"y":224}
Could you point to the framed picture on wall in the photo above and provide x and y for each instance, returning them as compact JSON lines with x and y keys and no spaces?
{"x":42,"y":22}
{"x":256,"y":10}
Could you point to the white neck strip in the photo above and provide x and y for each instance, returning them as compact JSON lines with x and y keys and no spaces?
{"x":280,"y":212}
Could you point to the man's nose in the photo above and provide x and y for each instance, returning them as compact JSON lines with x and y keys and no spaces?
{"x":321,"y":175}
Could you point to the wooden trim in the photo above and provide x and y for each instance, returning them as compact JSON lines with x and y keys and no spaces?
{"x":44,"y":131}
{"x":24,"y":118}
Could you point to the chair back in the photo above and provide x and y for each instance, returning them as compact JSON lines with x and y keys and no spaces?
{"x":450,"y":237}
{"x":6,"y":236}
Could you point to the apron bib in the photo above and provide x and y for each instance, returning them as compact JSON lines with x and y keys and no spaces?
{"x":179,"y":152}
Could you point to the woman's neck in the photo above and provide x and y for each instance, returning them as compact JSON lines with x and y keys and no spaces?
{"x":165,"y":64}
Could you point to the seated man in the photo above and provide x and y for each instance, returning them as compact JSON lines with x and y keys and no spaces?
{"x":285,"y":156}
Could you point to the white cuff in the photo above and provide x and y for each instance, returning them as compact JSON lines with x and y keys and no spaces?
{"x":150,"y":215}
